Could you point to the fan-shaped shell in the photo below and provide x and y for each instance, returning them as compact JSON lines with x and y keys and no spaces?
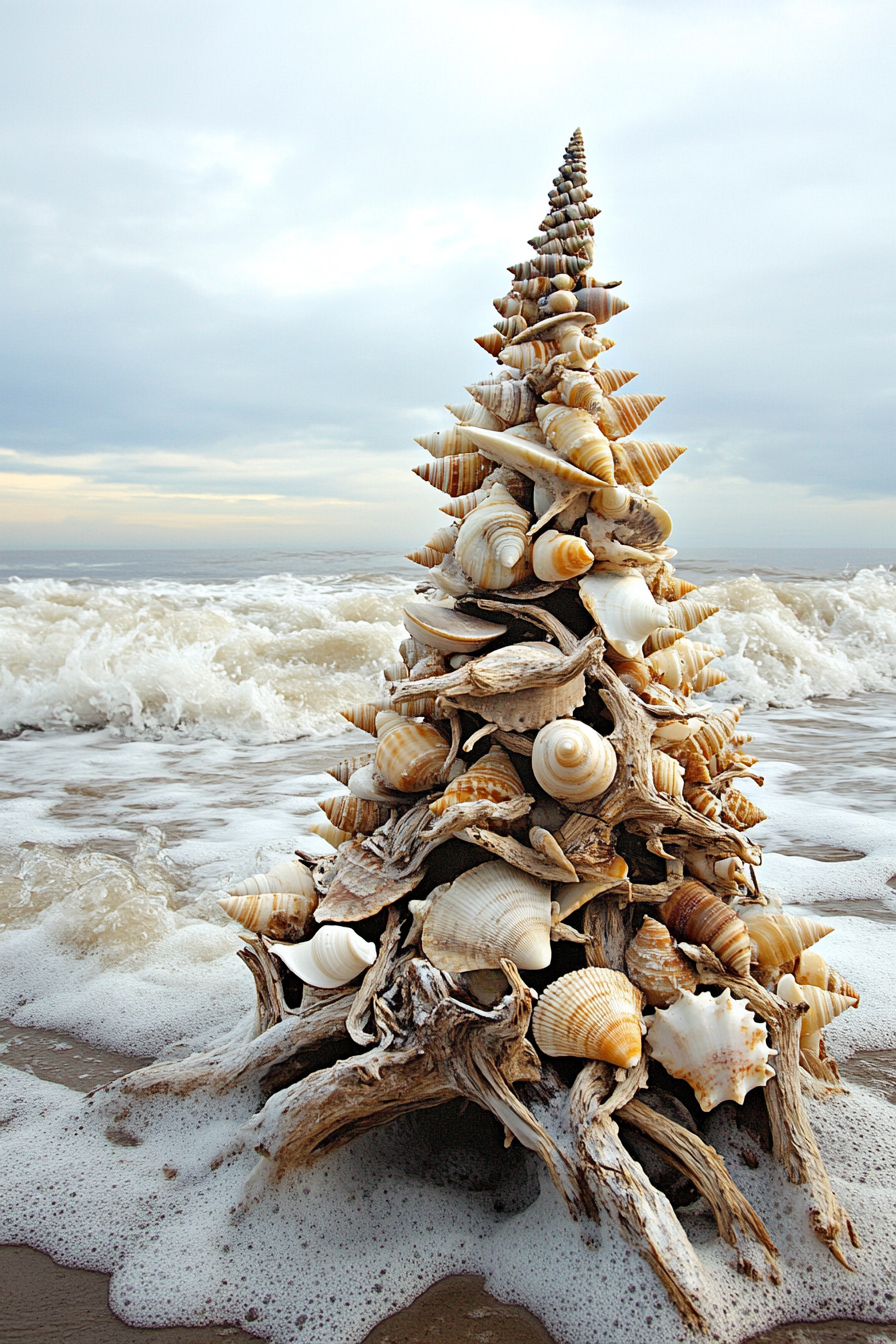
{"x":518,"y":711}
{"x":277,"y":914}
{"x":739,"y":812}
{"x":590,"y":1014}
{"x":823,"y":1008}
{"x":623,"y":607}
{"x":409,"y":756}
{"x":289,"y":876}
{"x":668,"y":775}
{"x":334,"y":956}
{"x":695,"y":915}
{"x":656,"y":966}
{"x":490,"y":913}
{"x":491,"y":777}
{"x":492,"y":545}
{"x":812,"y":969}
{"x":455,"y":475}
{"x":447,"y":630}
{"x":577,"y":438}
{"x":776,"y":938}
{"x":639,"y":463}
{"x":715,"y":1044}
{"x":572,"y":762}
{"x":556,"y":556}
{"x":356,"y":815}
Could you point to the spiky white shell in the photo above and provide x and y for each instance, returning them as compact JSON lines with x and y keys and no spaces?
{"x":489,"y":913}
{"x":333,"y":957}
{"x":573,"y":762}
{"x":714,"y":1043}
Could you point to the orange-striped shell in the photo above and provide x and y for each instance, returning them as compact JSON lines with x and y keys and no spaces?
{"x":739,"y":812}
{"x":557,"y":556}
{"x":702,"y":801}
{"x":639,"y":463}
{"x":510,"y":399}
{"x":577,"y":438}
{"x":602,"y":304}
{"x":455,"y":475}
{"x":590,"y":1014}
{"x":621,"y":415}
{"x":695,"y":915}
{"x":711,"y":737}
{"x":277,"y":914}
{"x":410,"y":756}
{"x":359,"y":816}
{"x":656,"y":966}
{"x":491,"y":777}
{"x":668,"y":775}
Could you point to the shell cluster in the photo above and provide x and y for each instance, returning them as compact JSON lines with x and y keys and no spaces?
{"x":499,"y":797}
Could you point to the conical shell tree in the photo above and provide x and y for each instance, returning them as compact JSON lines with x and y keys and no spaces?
{"x":548,"y":807}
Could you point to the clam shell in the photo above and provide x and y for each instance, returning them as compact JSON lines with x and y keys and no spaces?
{"x":590,"y":1014}
{"x":695,"y":915}
{"x":556,"y":556}
{"x":410,"y":756}
{"x":823,"y":1008}
{"x":623,"y":607}
{"x":576,"y":437}
{"x":277,"y":914}
{"x":639,"y":463}
{"x":492,"y":777}
{"x":776,"y":938}
{"x":455,"y":475}
{"x":492,"y":545}
{"x":290,"y":876}
{"x":573,"y":762}
{"x":656,"y":966}
{"x":490,"y":913}
{"x":448,"y":630}
{"x":334,"y":956}
{"x":714,"y":1043}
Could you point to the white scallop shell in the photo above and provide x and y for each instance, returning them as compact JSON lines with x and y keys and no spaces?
{"x":491,"y":912}
{"x":715,"y":1043}
{"x":572,"y":762}
{"x":624,"y":609}
{"x":333,"y":957}
{"x":289,"y":876}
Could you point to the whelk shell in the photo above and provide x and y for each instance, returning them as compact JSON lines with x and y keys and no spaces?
{"x":492,"y":546}
{"x":715,"y":1044}
{"x":473,"y":413}
{"x":812,"y":969}
{"x":623,"y":607}
{"x":708,"y":677}
{"x":590,"y":1014}
{"x":291,"y":875}
{"x":441,"y":443}
{"x":600,"y":304}
{"x":701,"y":800}
{"x":492,"y":776}
{"x":345,"y":769}
{"x":639,"y":463}
{"x":715,"y":731}
{"x":511,"y":400}
{"x":668,"y":775}
{"x":410,"y":756}
{"x":455,"y":475}
{"x":355,"y":815}
{"x":556,"y":556}
{"x":739,"y":812}
{"x":776,"y":938}
{"x":277,"y":914}
{"x":572,"y":762}
{"x":690,"y":612}
{"x":577,"y":438}
{"x":682,"y":661}
{"x":364,"y":716}
{"x":823,"y":1008}
{"x":694,"y":914}
{"x":492,"y":343}
{"x":490,"y":913}
{"x":656,"y":966}
{"x":327,"y":831}
{"x":333,"y":957}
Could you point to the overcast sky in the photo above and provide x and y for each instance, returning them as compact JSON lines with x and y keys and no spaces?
{"x":246,"y":247}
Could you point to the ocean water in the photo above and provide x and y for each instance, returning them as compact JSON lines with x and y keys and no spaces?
{"x":168,"y":719}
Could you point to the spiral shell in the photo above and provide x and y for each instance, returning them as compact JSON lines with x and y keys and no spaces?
{"x":491,"y":777}
{"x":530,"y":355}
{"x":491,"y":342}
{"x":715,"y":732}
{"x":289,"y":876}
{"x":576,"y":437}
{"x":823,"y":1008}
{"x":623,"y":607}
{"x":610,"y":380}
{"x":739,"y":812}
{"x":451,"y":442}
{"x":549,"y":266}
{"x":682,"y":661}
{"x":602,"y":304}
{"x":561,"y":302}
{"x":721,"y":870}
{"x":579,"y":389}
{"x":433,"y":553}
{"x":345,"y":769}
{"x":464,"y":504}
{"x":668,"y":775}
{"x":409,"y":756}
{"x":702,"y":801}
{"x":776,"y":938}
{"x":447,"y":630}
{"x":690,"y":612}
{"x":489,"y":913}
{"x":510,"y":399}
{"x":695,"y":915}
{"x":556,"y":556}
{"x":364,"y":716}
{"x":639,"y":463}
{"x":492,"y":545}
{"x":333,"y":957}
{"x":324,"y":828}
{"x":706,"y":678}
{"x":359,"y":816}
{"x":812,"y":969}
{"x":276,"y":914}
{"x":662,"y":639}
{"x":656,"y":966}
{"x":590,"y":1014}
{"x":715,"y":1044}
{"x":665,"y":583}
{"x":572,"y":762}
{"x":633,"y":673}
{"x":619,"y":416}
{"x":455,"y":475}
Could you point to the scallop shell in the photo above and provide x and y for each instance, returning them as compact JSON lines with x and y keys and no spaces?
{"x":590,"y":1014}
{"x":601,"y":304}
{"x":277,"y":914}
{"x":702,"y":801}
{"x":572,"y":762}
{"x":823,"y":1008}
{"x":690,"y":612}
{"x":289,"y":876}
{"x":409,"y":756}
{"x":695,"y":915}
{"x":623,"y":607}
{"x":447,"y":630}
{"x":656,"y":966}
{"x":556,"y":556}
{"x":576,"y":437}
{"x":455,"y":475}
{"x":776,"y":938}
{"x":491,"y":912}
{"x":491,"y":777}
{"x":492,"y":545}
{"x":639,"y":463}
{"x":355,"y":815}
{"x":668,"y":775}
{"x":812,"y":969}
{"x":714,"y":1043}
{"x":334,"y":956}
{"x":510,"y":399}
{"x":739,"y":812}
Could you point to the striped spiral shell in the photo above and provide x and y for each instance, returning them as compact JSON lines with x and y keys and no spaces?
{"x":572,"y":762}
{"x":656,"y":966}
{"x":695,"y":915}
{"x":491,"y":777}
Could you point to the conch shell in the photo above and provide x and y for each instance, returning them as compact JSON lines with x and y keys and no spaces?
{"x":601,"y":304}
{"x":472,"y":413}
{"x":491,"y":912}
{"x":690,"y":612}
{"x":464,"y":504}
{"x":656,"y":966}
{"x":823,"y":1008}
{"x":713,"y":734}
{"x":277,"y":914}
{"x":708,"y":677}
{"x":364,"y":716}
{"x":324,"y":828}
{"x":776,"y":938}
{"x":623,"y":607}
{"x":491,"y":777}
{"x":409,"y":756}
{"x":290,"y":876}
{"x":449,"y":442}
{"x":714,"y":1043}
{"x":556,"y":556}
{"x":739,"y":812}
{"x":619,"y":416}
{"x":577,"y":438}
{"x":590,"y":1014}
{"x":640,"y":463}
{"x":812,"y":969}
{"x":701,"y":800}
{"x":333,"y":957}
{"x":695,"y":915}
{"x":572,"y":762}
{"x":492,"y":546}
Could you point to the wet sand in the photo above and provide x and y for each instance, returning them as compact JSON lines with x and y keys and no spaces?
{"x":45,"y":1303}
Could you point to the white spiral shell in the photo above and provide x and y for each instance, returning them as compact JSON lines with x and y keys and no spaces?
{"x":492,"y":546}
{"x":623,"y":607}
{"x":333,"y":957}
{"x":292,"y":875}
{"x":572,"y":762}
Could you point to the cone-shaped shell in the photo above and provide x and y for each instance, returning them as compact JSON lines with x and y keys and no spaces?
{"x":695,"y":915}
{"x":576,"y":437}
{"x":572,"y":762}
{"x":335,"y":956}
{"x":714,"y":1043}
{"x":409,"y":756}
{"x":662,"y":639}
{"x":706,"y":678}
{"x":579,"y":389}
{"x":739,"y":812}
{"x":682,"y":661}
{"x":491,"y":342}
{"x":277,"y":914}
{"x":633,"y":673}
{"x":621,"y":415}
{"x":289,"y":876}
{"x":531,"y":355}
{"x":345,"y":769}
{"x":623,"y":607}
{"x":812,"y":969}
{"x":510,"y":399}
{"x":473,"y":413}
{"x":550,"y":266}
{"x":690,"y":612}
{"x":464,"y":504}
{"x":356,"y":815}
{"x":489,"y":913}
{"x":702,"y":801}
{"x":491,"y":777}
{"x":492,"y":546}
{"x":713,"y":734}
{"x":776,"y":938}
{"x":449,"y":442}
{"x":447,"y":630}
{"x":668,"y":775}
{"x":364,"y":716}
{"x":640,"y":463}
{"x":455,"y":475}
{"x":327,"y":831}
{"x":823,"y":1008}
{"x":601,"y":304}
{"x":590,"y":1014}
{"x":610,"y":380}
{"x":656,"y":965}
{"x":521,"y":455}
{"x":556,"y":556}
{"x":510,"y":327}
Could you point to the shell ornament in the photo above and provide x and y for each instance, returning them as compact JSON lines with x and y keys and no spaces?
{"x":545,"y":830}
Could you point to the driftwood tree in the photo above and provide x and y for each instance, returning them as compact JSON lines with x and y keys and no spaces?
{"x":548,"y":836}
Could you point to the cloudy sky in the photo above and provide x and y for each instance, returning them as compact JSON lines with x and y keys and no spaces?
{"x":246,"y":247}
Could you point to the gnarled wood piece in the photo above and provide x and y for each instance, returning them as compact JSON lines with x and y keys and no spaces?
{"x":566,"y":640}
{"x":643,"y":1215}
{"x":608,"y":931}
{"x":506,"y":671}
{"x":374,"y":982}
{"x":520,"y":856}
{"x":736,"y":1219}
{"x":405,"y":844}
{"x":793,"y":1142}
